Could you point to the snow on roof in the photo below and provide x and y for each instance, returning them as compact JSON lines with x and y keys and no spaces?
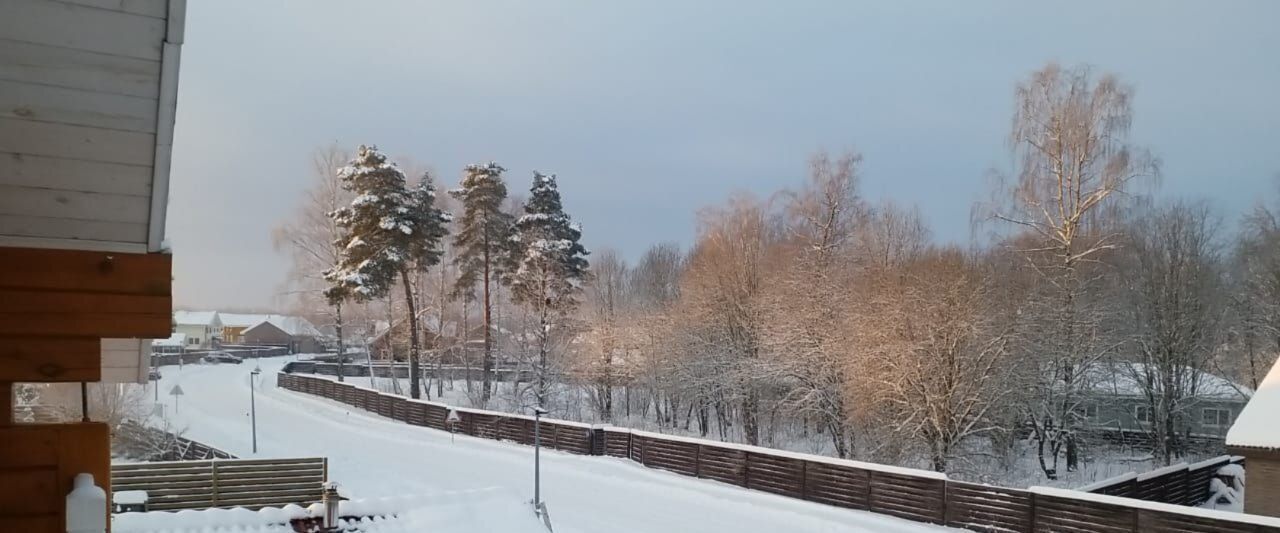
{"x":195,"y":318}
{"x":1122,"y":379}
{"x":242,"y":320}
{"x":293,"y":325}
{"x":177,"y":339}
{"x":1256,"y":426}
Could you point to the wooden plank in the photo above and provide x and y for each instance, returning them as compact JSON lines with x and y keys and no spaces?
{"x":73,"y":175}
{"x":150,"y":8}
{"x":81,"y":234}
{"x":49,"y":360}
{"x":82,"y":28}
{"x":27,"y":447}
{"x":84,"y":271}
{"x":36,"y":301}
{"x":77,"y":107}
{"x":79,"y":69}
{"x":29,"y":491}
{"x":151,"y":326}
{"x":77,"y":142}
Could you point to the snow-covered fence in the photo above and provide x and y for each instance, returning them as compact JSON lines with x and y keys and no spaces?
{"x":912,"y":494}
{"x":249,"y":483}
{"x":1180,"y":484}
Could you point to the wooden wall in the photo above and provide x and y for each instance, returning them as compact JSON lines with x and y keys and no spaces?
{"x":38,"y":464}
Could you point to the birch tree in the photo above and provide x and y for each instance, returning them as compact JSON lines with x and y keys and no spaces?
{"x":311,"y":238}
{"x":1074,"y":170}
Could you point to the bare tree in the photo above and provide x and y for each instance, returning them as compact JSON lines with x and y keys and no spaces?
{"x":806,"y":302}
{"x":1175,"y":282}
{"x":1075,"y":168}
{"x":311,"y":240}
{"x":939,"y":358}
{"x":722,"y":290}
{"x":606,"y":298}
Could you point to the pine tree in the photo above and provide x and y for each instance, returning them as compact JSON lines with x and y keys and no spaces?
{"x":390,"y":232}
{"x":485,"y":249}
{"x":552,"y":264}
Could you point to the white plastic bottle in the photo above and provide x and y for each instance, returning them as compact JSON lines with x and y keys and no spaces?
{"x":86,"y":506}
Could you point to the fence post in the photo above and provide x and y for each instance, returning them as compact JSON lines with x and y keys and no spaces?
{"x":214,"y":465}
{"x":1034,"y":510}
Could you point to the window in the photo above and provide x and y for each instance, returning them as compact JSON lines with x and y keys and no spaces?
{"x":1216,"y":417}
{"x":1090,"y":411}
{"x":1142,"y":413}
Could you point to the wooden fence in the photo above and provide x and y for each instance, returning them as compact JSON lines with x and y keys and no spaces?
{"x":249,"y":483}
{"x":912,"y":494}
{"x":1180,"y":484}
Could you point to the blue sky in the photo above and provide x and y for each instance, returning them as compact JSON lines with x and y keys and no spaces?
{"x":651,"y":110}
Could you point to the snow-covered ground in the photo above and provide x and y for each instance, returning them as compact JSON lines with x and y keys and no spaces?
{"x":373,"y":457}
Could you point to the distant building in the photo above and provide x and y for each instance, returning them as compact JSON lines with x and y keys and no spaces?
{"x":1117,"y":401}
{"x":203,"y":329}
{"x":176,"y":343}
{"x":1256,"y":436}
{"x":296,"y":333}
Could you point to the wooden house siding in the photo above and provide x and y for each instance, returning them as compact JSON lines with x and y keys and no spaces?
{"x":86,"y":115}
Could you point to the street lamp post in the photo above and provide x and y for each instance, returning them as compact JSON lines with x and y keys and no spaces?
{"x":253,"y":409}
{"x":537,"y":458}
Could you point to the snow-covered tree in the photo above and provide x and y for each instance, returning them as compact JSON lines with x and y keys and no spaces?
{"x":391,"y":231}
{"x":484,"y":246}
{"x":552,"y":264}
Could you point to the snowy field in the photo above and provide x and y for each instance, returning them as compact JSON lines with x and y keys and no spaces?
{"x":374,"y":457}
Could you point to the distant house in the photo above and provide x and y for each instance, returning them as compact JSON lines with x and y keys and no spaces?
{"x":1117,"y":401}
{"x":1256,"y":436}
{"x":234,"y":324}
{"x":203,"y":329}
{"x":296,"y":333}
{"x":176,"y":343}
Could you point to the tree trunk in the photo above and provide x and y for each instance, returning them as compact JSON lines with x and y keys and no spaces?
{"x":415,"y":375}
{"x":487,"y":363}
{"x":542,"y":355}
{"x":338,"y":327}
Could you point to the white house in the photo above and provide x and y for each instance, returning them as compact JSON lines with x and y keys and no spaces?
{"x":203,"y":329}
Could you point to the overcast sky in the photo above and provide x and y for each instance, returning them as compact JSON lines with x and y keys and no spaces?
{"x":649,"y":110}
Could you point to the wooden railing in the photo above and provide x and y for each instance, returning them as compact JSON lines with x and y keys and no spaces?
{"x":249,"y":483}
{"x":912,"y":494}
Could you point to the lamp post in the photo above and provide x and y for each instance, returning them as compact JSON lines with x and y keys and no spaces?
{"x":253,"y":409}
{"x":537,"y":458}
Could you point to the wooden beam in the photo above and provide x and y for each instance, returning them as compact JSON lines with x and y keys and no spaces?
{"x":96,"y":325}
{"x":86,"y":271}
{"x":6,"y":406}
{"x":31,"y":301}
{"x":48,"y":360}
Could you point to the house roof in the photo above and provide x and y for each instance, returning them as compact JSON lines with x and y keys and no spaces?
{"x":1124,"y":379}
{"x":1257,"y":426}
{"x":195,"y":318}
{"x":242,"y":320}
{"x":292,"y":325}
{"x":177,"y":339}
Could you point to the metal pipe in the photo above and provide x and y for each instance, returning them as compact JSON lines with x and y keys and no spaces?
{"x":253,"y":411}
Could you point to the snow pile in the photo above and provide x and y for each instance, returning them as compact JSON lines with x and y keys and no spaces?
{"x":1229,"y":495}
{"x":1256,"y":426}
